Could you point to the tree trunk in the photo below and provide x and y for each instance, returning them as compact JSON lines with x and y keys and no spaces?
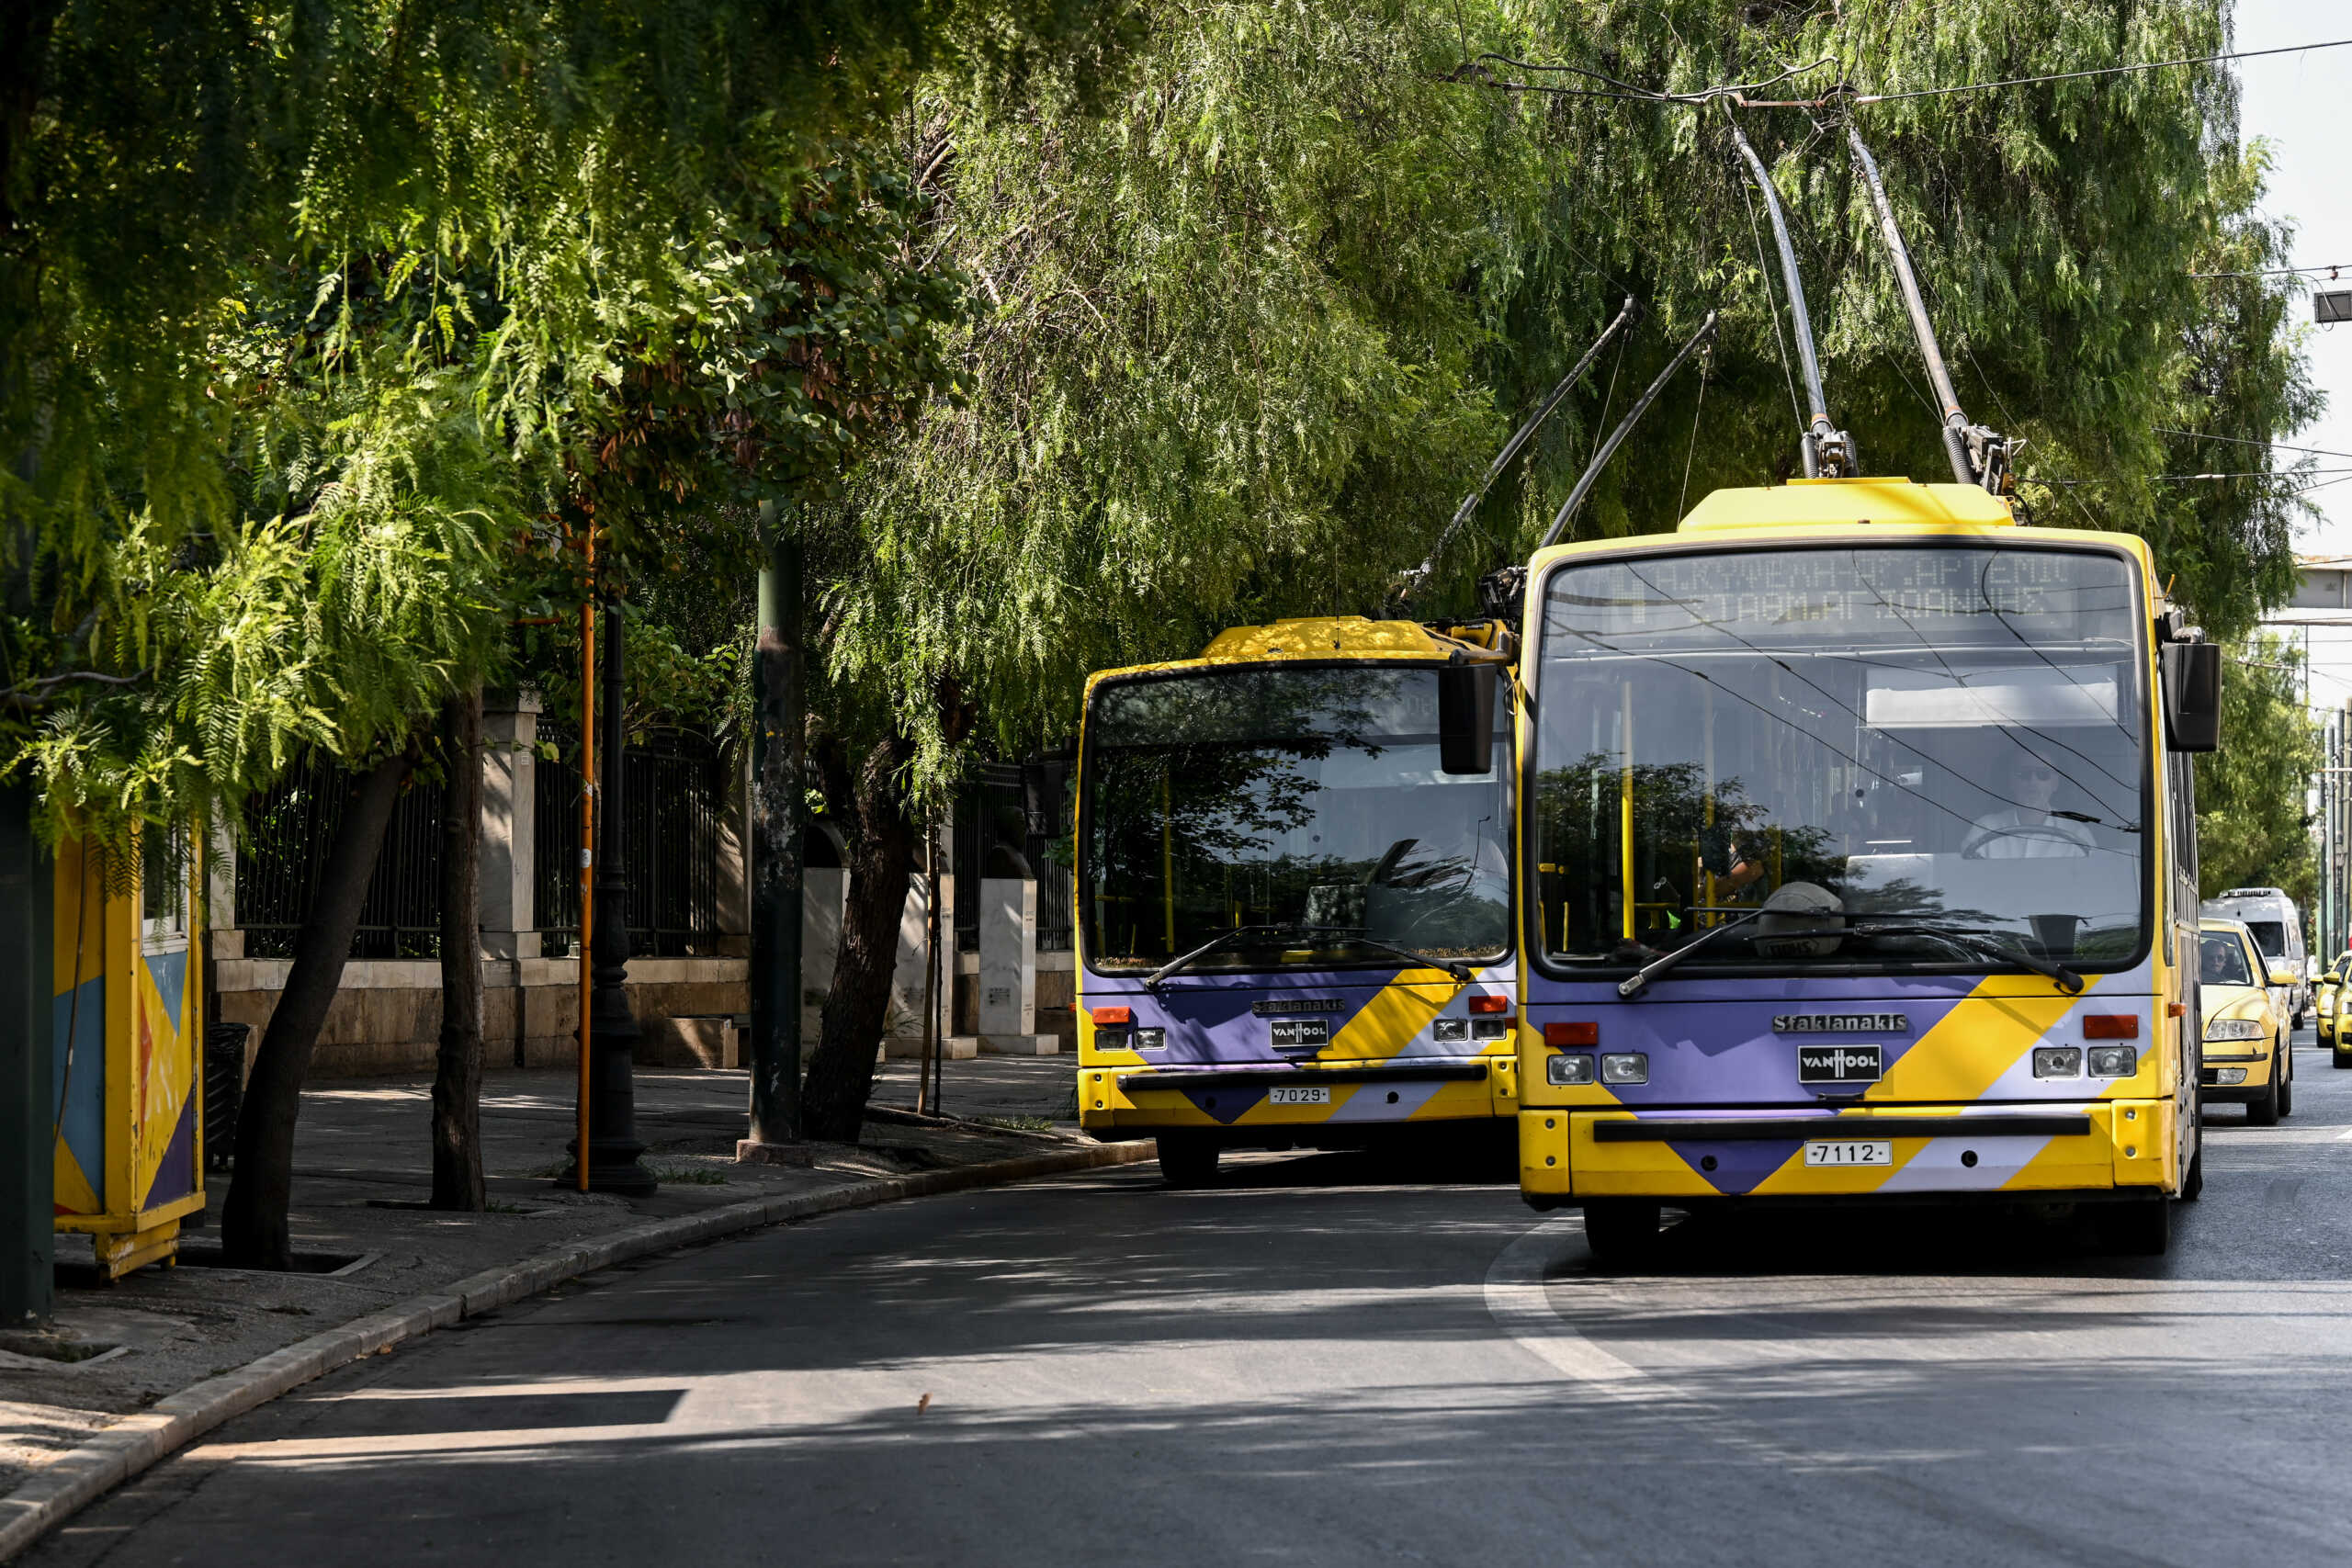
{"x":879,"y":849}
{"x":252,"y":1222}
{"x":456,"y":1071}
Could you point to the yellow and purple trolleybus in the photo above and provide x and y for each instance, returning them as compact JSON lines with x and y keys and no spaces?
{"x":1293,"y":882}
{"x":1860,"y":863}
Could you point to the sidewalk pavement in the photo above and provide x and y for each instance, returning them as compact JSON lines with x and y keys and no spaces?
{"x":362,"y":1173}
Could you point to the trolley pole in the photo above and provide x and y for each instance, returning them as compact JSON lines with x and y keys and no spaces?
{"x":28,"y":1122}
{"x":775,"y":851}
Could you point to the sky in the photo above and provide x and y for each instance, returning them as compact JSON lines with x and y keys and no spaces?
{"x":2295,"y":102}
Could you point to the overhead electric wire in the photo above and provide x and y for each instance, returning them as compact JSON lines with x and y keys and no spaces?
{"x":2288,"y":474}
{"x":2242,"y":441}
{"x":1474,"y":71}
{"x":2101,"y":71}
{"x":2329,"y":267}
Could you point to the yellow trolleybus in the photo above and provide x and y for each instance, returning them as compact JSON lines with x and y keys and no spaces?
{"x":1859,"y":864}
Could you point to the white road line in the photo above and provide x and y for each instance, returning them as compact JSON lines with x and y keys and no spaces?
{"x":1517,"y":1302}
{"x":2344,"y":1136}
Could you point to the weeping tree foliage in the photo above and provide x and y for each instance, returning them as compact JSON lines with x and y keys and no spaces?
{"x":1243,"y":339}
{"x":570,"y":166}
{"x":2252,"y":826}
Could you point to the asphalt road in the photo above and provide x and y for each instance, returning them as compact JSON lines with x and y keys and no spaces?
{"x":1319,"y":1363}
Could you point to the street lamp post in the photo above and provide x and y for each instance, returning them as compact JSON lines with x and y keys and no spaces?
{"x":613,"y":1142}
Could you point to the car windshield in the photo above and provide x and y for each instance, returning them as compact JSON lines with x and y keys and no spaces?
{"x":1916,"y":734}
{"x":2271,"y":936}
{"x":2221,"y":959}
{"x":1306,"y":800}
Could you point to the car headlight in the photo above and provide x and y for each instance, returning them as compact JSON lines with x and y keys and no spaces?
{"x":1625,"y":1067}
{"x":2058,"y":1061}
{"x":2327,"y":1001}
{"x":2234,"y":1029}
{"x":1564,"y":1071}
{"x":2114,"y":1061}
{"x":2225,"y":1076}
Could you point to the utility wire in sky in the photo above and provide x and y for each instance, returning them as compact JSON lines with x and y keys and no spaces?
{"x":1475,"y":71}
{"x":2241,"y":441}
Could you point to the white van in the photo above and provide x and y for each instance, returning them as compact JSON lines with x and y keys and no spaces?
{"x":2278,"y":930}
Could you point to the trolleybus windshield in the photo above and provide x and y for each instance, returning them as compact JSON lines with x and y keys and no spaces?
{"x":1306,"y":800}
{"x":1892,"y":739}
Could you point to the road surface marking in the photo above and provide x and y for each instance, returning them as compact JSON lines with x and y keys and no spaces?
{"x":1518,"y":1302}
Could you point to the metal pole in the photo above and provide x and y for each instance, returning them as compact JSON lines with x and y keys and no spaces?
{"x":776,"y":844}
{"x":1520,"y":439}
{"x":1585,"y":481}
{"x":1823,"y":440}
{"x":587,"y":852}
{"x":28,"y":1113}
{"x":927,"y":1069}
{"x":613,"y":1145}
{"x":931,"y":985}
{"x":1964,"y":466}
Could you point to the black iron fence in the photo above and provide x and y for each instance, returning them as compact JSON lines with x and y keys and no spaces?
{"x":674,"y":793}
{"x":1013,"y":819}
{"x":287,"y":830}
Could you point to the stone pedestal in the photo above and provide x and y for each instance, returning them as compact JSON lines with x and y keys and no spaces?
{"x":1007,"y":977}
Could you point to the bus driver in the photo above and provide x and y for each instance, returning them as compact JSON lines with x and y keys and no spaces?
{"x":2027,"y":831}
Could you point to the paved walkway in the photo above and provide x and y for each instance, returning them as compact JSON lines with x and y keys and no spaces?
{"x":362,"y":1175}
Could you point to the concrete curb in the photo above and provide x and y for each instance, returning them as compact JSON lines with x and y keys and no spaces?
{"x":131,"y":1445}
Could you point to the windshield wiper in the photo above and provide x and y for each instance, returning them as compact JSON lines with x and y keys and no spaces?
{"x":2086,"y":817}
{"x":1981,"y":941}
{"x":1634,"y":984}
{"x":1353,"y":935}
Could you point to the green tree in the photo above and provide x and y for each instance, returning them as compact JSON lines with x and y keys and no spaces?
{"x":2253,"y":827}
{"x":1246,"y":334}
{"x":533,"y":239}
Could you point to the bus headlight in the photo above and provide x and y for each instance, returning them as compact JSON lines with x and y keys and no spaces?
{"x":2058,"y":1062}
{"x":2234,"y":1028}
{"x":1629,"y":1067}
{"x":1151,"y":1039}
{"x":2114,"y":1061}
{"x":1567,"y":1071}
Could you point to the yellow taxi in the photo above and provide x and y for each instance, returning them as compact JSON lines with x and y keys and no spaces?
{"x":2247,"y":1059}
{"x":2325,"y":997}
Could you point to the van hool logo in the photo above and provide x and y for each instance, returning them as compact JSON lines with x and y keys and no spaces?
{"x":1294,"y":1004}
{"x":1836,"y":1063}
{"x":1841,"y":1023}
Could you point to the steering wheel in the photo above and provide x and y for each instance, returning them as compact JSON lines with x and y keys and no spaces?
{"x":1985,"y":836}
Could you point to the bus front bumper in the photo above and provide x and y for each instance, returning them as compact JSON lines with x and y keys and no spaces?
{"x":1255,"y":1105}
{"x":1885,"y":1150}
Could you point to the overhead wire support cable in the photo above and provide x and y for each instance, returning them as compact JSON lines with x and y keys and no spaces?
{"x":2330,"y":268}
{"x":2078,"y":75}
{"x":2244,"y":441}
{"x":1474,"y":70}
{"x":1736,"y":93}
{"x":1827,"y":449}
{"x":1626,"y":316}
{"x":1704,"y":335}
{"x":1979,"y":456}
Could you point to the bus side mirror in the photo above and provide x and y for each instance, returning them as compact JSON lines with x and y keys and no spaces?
{"x":2192,"y":689}
{"x":1466,"y":717}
